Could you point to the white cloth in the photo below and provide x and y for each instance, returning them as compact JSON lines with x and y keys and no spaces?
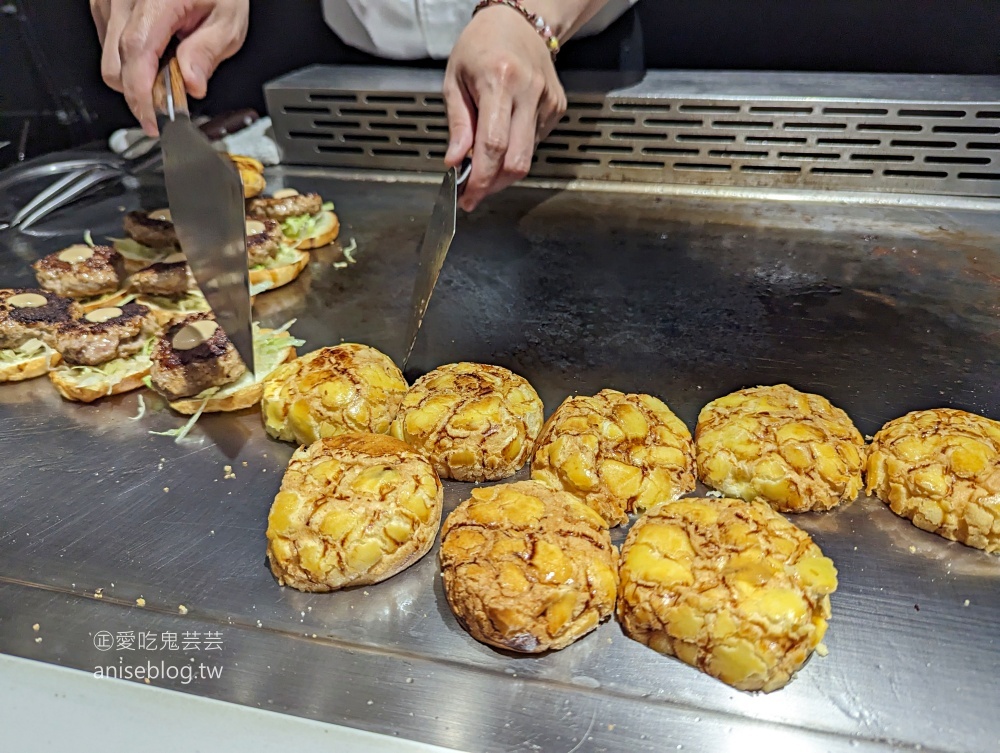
{"x":415,"y":29}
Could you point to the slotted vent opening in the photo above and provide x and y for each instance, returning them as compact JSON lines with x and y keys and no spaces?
{"x":895,"y":146}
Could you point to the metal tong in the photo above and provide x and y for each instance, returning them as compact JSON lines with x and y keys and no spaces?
{"x":82,"y":175}
{"x":79,"y":177}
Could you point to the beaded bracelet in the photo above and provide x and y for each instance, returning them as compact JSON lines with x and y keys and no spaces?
{"x":543,"y":29}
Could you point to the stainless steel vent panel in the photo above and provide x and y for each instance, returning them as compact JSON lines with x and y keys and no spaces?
{"x":672,"y":128}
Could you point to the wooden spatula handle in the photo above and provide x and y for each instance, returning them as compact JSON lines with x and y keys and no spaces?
{"x":169,"y":95}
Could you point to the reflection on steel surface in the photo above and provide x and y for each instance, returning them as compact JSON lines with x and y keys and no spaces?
{"x":882,"y":310}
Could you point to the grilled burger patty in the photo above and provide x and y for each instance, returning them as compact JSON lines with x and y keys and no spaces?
{"x":264,"y":245}
{"x":88,"y":340}
{"x":164,"y":278}
{"x":284,"y":207}
{"x":26,"y":319}
{"x":144,"y":229}
{"x":178,"y":373}
{"x":80,"y":271}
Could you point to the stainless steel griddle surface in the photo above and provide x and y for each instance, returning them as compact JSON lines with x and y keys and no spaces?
{"x":882,"y":309}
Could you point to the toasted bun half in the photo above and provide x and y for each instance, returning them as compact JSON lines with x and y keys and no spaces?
{"x":326,"y":232}
{"x":82,"y":388}
{"x":100,"y":302}
{"x":29,"y":367}
{"x":282,"y":275}
{"x":252,"y":174}
{"x":244,"y":393}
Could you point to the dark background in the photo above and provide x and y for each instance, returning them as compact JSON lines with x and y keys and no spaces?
{"x":51,"y":90}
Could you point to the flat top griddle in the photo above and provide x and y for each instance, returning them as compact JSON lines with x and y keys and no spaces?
{"x":882,"y":309}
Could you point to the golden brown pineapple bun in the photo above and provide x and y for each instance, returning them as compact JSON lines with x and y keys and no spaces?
{"x":727,"y":586}
{"x":618,"y":453}
{"x":527,"y":568}
{"x":251,"y":173}
{"x":330,"y":391}
{"x":473,"y":421}
{"x":941,"y":469}
{"x":353,"y":509}
{"x":793,"y":449}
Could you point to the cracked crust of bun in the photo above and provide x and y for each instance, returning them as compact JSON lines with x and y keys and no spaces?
{"x":528,"y":568}
{"x":618,"y":453}
{"x":940,"y":469}
{"x":793,"y":449}
{"x":473,"y":421}
{"x":251,"y":173}
{"x":353,"y":510}
{"x":729,"y":587}
{"x":335,"y":390}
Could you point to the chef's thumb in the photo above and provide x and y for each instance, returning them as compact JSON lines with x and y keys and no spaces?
{"x":199,"y":54}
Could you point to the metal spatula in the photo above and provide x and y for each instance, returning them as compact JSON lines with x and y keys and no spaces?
{"x":434,"y":248}
{"x":205,"y":195}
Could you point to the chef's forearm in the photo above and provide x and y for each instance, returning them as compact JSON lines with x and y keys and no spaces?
{"x":565,"y":17}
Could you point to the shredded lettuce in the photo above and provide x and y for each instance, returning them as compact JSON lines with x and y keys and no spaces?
{"x":306,"y":225}
{"x":269,"y":348}
{"x":286,"y":255}
{"x":148,"y":381}
{"x":296,"y":227}
{"x":284,"y":328}
{"x":111,"y":372}
{"x":260,"y":287}
{"x":142,"y":409}
{"x":183,"y":431}
{"x":88,"y":238}
{"x":340,"y":265}
{"x":268,"y":351}
{"x":134,"y":250}
{"x":349,"y":251}
{"x":25,"y":351}
{"x":192,"y":302}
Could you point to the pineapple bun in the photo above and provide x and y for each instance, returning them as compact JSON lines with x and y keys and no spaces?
{"x":792,"y":449}
{"x":472,"y":421}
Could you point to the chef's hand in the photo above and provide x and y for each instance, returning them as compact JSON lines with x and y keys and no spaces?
{"x":134,"y":33}
{"x":502,"y":96}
